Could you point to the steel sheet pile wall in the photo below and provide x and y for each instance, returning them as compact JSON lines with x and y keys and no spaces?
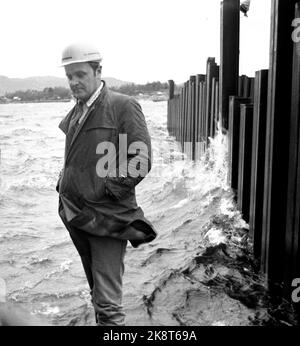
{"x":261,"y":117}
{"x":193,"y":112}
{"x":264,"y":154}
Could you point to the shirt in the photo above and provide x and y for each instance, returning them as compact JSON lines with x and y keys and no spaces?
{"x":89,"y":102}
{"x":81,"y":110}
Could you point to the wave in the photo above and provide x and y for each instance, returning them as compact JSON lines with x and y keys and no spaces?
{"x":5,"y":137}
{"x":63,"y":267}
{"x":156,"y":254}
{"x":27,"y":132}
{"x":17,"y":237}
{"x":32,"y":187}
{"x":32,"y":184}
{"x":47,"y":309}
{"x":37,"y":260}
{"x":57,"y":245}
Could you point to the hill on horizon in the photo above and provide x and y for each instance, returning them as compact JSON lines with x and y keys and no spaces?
{"x":40,"y":82}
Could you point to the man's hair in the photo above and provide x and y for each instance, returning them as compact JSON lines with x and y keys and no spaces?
{"x":94,"y":65}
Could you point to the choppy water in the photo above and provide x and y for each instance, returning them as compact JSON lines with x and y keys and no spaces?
{"x":197,"y":271}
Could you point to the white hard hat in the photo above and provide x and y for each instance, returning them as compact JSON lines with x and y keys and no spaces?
{"x":80,"y":52}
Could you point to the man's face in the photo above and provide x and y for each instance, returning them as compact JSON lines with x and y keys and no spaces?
{"x":82,"y":79}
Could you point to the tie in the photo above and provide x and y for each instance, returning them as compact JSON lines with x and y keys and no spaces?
{"x":74,"y":122}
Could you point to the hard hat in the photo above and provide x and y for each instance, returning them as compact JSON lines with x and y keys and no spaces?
{"x":80,"y":52}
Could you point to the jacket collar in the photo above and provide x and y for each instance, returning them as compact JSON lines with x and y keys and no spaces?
{"x":95,"y":95}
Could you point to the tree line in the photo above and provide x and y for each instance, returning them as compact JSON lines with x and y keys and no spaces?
{"x":58,"y":93}
{"x":55,"y":93}
{"x":135,"y":89}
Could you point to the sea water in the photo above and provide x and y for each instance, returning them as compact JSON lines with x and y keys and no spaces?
{"x":193,"y":273}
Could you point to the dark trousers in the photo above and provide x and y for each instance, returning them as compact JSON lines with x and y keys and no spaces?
{"x":103,"y":263}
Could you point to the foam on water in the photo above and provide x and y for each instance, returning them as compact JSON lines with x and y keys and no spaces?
{"x":46,"y":309}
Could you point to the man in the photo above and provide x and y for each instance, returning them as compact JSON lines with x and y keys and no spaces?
{"x":107,"y":153}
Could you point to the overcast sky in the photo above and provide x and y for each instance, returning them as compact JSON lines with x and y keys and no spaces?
{"x":140,"y":40}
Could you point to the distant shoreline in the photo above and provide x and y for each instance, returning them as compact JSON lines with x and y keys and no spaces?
{"x":149,"y":97}
{"x":35,"y":101}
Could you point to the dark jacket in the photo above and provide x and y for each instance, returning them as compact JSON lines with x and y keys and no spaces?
{"x":105,"y":205}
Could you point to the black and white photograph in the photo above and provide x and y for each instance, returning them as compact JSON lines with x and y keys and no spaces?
{"x":149,"y":156}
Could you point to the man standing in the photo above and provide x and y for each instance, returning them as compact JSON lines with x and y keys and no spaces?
{"x":107,"y":153}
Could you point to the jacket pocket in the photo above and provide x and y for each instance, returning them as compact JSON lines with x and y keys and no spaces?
{"x":119,"y":187}
{"x":99,"y":134}
{"x":83,"y":218}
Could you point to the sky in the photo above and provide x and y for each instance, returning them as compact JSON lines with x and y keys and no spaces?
{"x":140,"y":40}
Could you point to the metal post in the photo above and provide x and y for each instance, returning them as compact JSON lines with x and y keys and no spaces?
{"x":277,"y":142}
{"x":258,"y":159}
{"x":245,"y":147}
{"x":229,"y":65}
